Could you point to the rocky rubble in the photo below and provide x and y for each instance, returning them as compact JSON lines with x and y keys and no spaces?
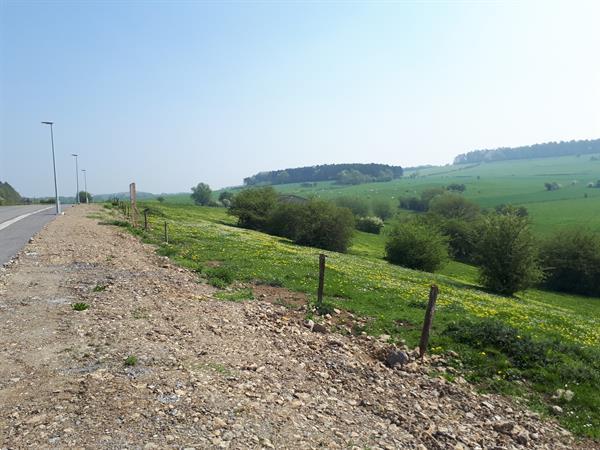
{"x":209,"y":373}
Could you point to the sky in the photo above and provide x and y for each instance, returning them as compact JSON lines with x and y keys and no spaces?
{"x":169,"y":94}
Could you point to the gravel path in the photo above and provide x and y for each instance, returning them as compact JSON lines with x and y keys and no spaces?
{"x":209,"y":373}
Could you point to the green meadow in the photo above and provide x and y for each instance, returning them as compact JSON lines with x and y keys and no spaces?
{"x":516,"y":182}
{"x":529,"y":345}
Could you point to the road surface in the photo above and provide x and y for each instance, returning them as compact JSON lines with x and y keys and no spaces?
{"x":18,"y":224}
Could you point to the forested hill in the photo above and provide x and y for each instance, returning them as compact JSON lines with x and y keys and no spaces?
{"x":342,"y":173}
{"x":546,"y":150}
{"x":8,"y":196}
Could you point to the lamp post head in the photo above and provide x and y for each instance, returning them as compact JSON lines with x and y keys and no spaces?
{"x":74,"y":154}
{"x":47,"y":123}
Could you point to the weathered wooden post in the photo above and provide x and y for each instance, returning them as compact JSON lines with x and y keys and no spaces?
{"x":145,"y":219}
{"x":166,"y":233}
{"x":321,"y":280}
{"x":433,"y":293}
{"x":132,"y":199}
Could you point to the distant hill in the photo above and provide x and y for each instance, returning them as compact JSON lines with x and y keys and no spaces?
{"x":546,"y":150}
{"x":342,"y":173}
{"x":8,"y":196}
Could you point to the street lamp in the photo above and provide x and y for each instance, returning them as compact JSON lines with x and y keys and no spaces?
{"x":76,"y":177}
{"x":87,"y":196}
{"x":54,"y":166}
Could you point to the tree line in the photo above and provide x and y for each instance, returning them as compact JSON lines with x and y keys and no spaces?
{"x":546,"y":150}
{"x":343,"y":173}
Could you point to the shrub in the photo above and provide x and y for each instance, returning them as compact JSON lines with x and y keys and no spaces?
{"x":160,"y":199}
{"x":130,"y":361}
{"x":456,"y":187}
{"x":382,"y":209}
{"x":506,"y":254}
{"x":413,"y":204}
{"x":358,"y":206}
{"x":324,"y":225}
{"x":80,"y":306}
{"x":571,"y":261}
{"x":226,"y":195}
{"x":253,"y":207}
{"x":553,"y":186}
{"x":417,"y":246}
{"x":371,"y":225}
{"x":85,"y":196}
{"x":201,"y":194}
{"x":461,"y":237}
{"x":453,"y":206}
{"x":220,"y":276}
{"x":520,"y":211}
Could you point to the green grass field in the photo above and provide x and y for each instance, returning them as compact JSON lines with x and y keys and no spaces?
{"x":519,"y":182}
{"x":391,"y":299}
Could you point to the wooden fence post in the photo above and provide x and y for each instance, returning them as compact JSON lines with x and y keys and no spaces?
{"x":321,"y":280}
{"x":166,"y":233}
{"x":146,"y":219}
{"x":433,"y":293}
{"x":133,"y":202}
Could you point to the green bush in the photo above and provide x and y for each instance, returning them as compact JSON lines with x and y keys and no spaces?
{"x":226,"y":196}
{"x":571,"y":261}
{"x":453,"y":206}
{"x":323,"y":225}
{"x":358,"y":206}
{"x":220,"y":276}
{"x":506,"y":254}
{"x":417,"y":246}
{"x":461,"y":238}
{"x":371,"y":225}
{"x":201,"y":194}
{"x":253,"y":207}
{"x":382,"y":209}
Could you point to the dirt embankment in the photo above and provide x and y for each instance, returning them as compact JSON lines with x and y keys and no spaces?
{"x":207,"y":373}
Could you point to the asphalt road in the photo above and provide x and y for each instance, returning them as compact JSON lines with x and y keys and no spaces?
{"x":15,"y":230}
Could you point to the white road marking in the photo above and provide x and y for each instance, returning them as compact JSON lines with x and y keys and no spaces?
{"x":8,"y":223}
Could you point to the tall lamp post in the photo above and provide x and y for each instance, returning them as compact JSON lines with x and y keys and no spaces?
{"x":87,"y":195}
{"x":54,"y":166}
{"x":77,"y":178}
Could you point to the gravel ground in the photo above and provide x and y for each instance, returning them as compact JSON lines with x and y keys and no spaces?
{"x":209,"y":373}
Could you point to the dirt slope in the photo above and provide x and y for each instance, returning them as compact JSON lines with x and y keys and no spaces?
{"x":210,"y":374}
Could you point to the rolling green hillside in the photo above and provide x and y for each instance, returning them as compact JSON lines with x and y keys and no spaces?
{"x":490,"y":184}
{"x":518,"y":182}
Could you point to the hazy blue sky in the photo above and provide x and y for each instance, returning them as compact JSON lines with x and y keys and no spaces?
{"x":168,"y":94}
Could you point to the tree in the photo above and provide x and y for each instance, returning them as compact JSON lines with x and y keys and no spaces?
{"x":382,"y":209}
{"x":83,"y":196}
{"x":571,"y":261}
{"x":160,"y":199}
{"x":461,"y":238}
{"x":253,"y":207}
{"x":456,"y":187}
{"x":453,"y":206}
{"x":201,"y":194}
{"x":520,"y":211}
{"x":324,"y":225}
{"x":358,"y":206}
{"x":417,"y":246}
{"x":315,"y":223}
{"x":554,"y":186}
{"x":226,"y":195}
{"x":506,"y":254}
{"x":371,"y":225}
